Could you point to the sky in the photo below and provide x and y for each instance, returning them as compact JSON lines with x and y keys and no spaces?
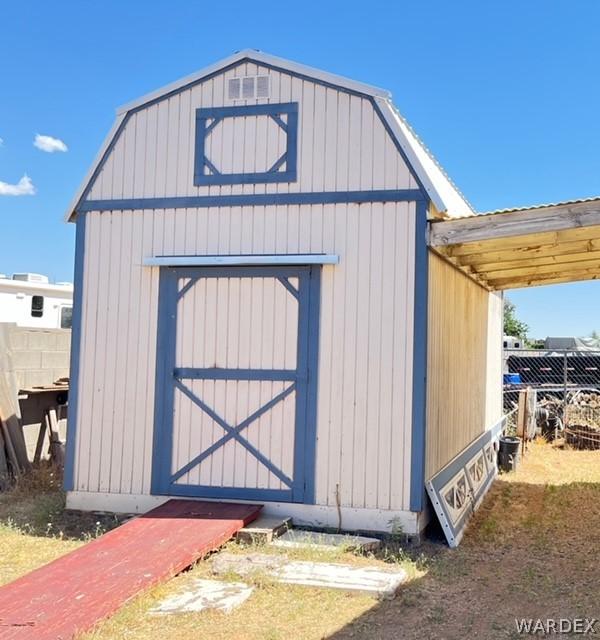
{"x":505,"y":94}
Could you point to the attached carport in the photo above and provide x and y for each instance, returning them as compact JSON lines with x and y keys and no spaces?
{"x":508,"y":249}
{"x":515,"y":248}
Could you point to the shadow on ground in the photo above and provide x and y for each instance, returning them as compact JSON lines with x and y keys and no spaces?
{"x":530,"y":552}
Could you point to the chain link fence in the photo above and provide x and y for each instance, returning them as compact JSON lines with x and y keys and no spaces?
{"x":567,"y":384}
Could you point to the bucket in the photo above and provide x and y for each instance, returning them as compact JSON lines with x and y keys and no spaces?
{"x":512,"y":378}
{"x":508,"y":455}
{"x":510,"y":444}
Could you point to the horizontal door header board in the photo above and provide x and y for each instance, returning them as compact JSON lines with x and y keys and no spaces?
{"x":258,"y":199}
{"x":240,"y":260}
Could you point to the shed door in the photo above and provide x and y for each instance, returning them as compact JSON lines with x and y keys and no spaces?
{"x":236,"y":383}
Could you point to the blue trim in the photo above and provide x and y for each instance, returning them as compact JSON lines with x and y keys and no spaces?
{"x":289,"y":286}
{"x":401,"y":151}
{"x":233,"y":433}
{"x":164,"y":391}
{"x":310,"y":440}
{"x":217,"y":114}
{"x":234,"y":374}
{"x":257,"y":199}
{"x":69,"y":472}
{"x":230,"y":493}
{"x":419,"y":395}
{"x":304,"y":383}
{"x":267,"y":271}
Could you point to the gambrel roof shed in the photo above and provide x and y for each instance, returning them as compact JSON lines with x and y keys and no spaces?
{"x":447,"y":200}
{"x":257,"y":313}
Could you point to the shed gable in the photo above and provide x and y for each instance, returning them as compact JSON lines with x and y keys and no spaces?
{"x":340,"y":141}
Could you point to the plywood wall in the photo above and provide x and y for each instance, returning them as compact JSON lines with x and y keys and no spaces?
{"x":366,"y":328}
{"x":464,"y":362}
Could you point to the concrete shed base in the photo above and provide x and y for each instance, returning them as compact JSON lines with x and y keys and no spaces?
{"x":317,"y":516}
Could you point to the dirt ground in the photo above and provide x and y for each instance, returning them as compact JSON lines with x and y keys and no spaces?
{"x":530,"y":551}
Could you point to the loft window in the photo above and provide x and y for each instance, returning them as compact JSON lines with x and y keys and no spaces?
{"x":37,"y":306}
{"x":246,"y":144}
{"x":66,"y":317}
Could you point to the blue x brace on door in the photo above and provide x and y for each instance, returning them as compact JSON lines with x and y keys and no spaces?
{"x":235,"y":410}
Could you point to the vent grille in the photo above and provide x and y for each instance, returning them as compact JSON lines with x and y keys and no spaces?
{"x":248,"y":88}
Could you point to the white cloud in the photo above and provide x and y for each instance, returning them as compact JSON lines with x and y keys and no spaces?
{"x":49,"y":144}
{"x":23,"y":188}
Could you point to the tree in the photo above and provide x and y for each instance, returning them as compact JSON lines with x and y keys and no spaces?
{"x":512,"y":325}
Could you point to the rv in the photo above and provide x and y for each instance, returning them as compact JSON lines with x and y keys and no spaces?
{"x":29,"y":300}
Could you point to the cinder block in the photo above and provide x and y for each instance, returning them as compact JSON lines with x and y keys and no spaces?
{"x":18,"y":339}
{"x":42,"y":340}
{"x":63,"y":340}
{"x":20,"y":377}
{"x":55,"y":360}
{"x":27,"y":360}
{"x":37,"y":378}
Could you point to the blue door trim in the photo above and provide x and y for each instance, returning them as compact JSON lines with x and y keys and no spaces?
{"x":303,"y":381}
{"x":419,"y":395}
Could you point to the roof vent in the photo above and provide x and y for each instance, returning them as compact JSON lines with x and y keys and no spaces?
{"x":30,"y":277}
{"x":248,"y":88}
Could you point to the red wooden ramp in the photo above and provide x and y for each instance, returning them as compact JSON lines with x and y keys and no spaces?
{"x":77,"y":590}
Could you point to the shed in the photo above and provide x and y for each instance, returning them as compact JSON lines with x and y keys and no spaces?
{"x":258,"y":316}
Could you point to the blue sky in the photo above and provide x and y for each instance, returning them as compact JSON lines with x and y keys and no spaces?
{"x":505,"y":94}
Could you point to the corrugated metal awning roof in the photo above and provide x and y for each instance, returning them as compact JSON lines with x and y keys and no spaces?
{"x":524,"y":247}
{"x":540,"y":206}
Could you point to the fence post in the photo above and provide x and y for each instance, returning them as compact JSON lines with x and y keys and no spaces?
{"x":565,"y":385}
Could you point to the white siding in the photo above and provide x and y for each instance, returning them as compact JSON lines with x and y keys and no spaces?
{"x":366,"y":326}
{"x":342,"y":143}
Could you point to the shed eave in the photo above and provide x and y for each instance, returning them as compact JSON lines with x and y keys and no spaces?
{"x":549,"y":244}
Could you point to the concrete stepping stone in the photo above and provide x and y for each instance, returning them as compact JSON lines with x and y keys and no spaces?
{"x":369,"y":580}
{"x":264,"y":530}
{"x":205,"y":594}
{"x":298,"y":539}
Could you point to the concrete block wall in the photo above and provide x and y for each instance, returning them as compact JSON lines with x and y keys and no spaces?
{"x":39,"y":356}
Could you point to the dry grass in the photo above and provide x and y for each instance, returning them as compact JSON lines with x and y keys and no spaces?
{"x":273,"y":611}
{"x":34,"y":526}
{"x":556,"y":465}
{"x":529,"y":552}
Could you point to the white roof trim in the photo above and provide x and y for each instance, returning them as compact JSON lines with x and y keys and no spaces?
{"x":240,"y":260}
{"x":444,"y":195}
{"x":257,"y":56}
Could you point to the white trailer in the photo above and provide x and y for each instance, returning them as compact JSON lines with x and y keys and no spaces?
{"x":29,"y":300}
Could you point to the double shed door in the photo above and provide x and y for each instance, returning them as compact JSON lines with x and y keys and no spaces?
{"x":235,"y":413}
